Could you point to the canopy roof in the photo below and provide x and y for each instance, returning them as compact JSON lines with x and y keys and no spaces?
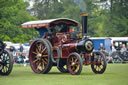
{"x":48,"y":23}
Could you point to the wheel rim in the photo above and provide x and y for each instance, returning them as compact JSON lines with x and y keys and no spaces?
{"x":4,"y":62}
{"x":38,"y":56}
{"x":99,"y":62}
{"x":73,"y":64}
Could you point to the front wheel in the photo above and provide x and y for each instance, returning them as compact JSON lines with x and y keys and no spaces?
{"x":74,"y":64}
{"x":6,"y":63}
{"x":99,"y":63}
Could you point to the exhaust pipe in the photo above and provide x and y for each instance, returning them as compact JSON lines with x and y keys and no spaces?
{"x":84,"y":23}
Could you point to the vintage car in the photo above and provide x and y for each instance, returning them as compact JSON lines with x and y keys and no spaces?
{"x":62,"y":46}
{"x":6,"y":60}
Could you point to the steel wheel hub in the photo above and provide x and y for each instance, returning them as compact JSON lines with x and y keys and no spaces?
{"x":38,"y":55}
{"x":73,"y":63}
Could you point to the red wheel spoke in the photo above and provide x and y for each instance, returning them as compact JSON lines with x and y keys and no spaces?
{"x":35,"y":57}
{"x":35,"y":60}
{"x":73,"y":68}
{"x":37,"y":63}
{"x":96,"y":66}
{"x":41,"y":46}
{"x":77,"y":63}
{"x":37,"y":51}
{"x":38,"y":66}
{"x":102,"y":62}
{"x":76,"y":60}
{"x":34,"y":53}
{"x":43,"y":50}
{"x":43,"y":66}
{"x":44,"y":61}
{"x":77,"y":68}
{"x":45,"y":55}
{"x":6,"y":68}
{"x":72,"y":59}
{"x":99,"y":68}
{"x":37,"y":47}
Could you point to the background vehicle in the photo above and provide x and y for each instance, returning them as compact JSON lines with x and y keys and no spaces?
{"x":104,"y":40}
{"x":119,"y":56}
{"x":6,"y":60}
{"x":62,"y":46}
{"x":106,"y":44}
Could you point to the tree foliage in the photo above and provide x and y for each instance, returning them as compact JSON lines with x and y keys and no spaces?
{"x":114,"y":18}
{"x":12,"y":14}
{"x":105,"y":16}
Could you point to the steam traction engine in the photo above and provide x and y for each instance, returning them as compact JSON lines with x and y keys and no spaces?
{"x":6,"y":60}
{"x":63,"y":47}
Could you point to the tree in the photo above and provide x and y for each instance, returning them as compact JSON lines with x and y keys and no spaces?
{"x":117,"y":18}
{"x":12,"y":14}
{"x":106,"y":17}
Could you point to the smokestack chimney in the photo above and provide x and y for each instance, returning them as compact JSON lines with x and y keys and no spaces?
{"x":84,"y":22}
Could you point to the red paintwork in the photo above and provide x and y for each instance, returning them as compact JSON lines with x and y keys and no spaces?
{"x":86,"y":57}
{"x":35,"y":25}
{"x":67,"y":45}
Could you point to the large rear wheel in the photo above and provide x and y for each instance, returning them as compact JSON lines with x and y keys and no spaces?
{"x":99,"y":63}
{"x":39,"y":56}
{"x":74,"y":63}
{"x":6,"y":63}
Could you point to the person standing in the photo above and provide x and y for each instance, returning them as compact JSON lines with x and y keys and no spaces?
{"x":21,"y":48}
{"x":11,"y":49}
{"x":113,"y":47}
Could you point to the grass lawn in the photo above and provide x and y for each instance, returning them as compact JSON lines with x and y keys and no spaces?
{"x":116,"y":74}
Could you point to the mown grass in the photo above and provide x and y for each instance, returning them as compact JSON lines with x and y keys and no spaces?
{"x":116,"y":74}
